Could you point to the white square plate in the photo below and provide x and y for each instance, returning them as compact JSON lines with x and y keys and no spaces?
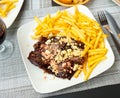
{"x":36,"y":74}
{"x":13,"y":14}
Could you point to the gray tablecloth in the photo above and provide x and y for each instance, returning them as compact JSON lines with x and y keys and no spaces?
{"x":14,"y":81}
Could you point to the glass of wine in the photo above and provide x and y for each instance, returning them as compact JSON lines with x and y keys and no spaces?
{"x":6,"y":47}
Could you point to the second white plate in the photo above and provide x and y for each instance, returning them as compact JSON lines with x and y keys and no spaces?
{"x":13,"y":14}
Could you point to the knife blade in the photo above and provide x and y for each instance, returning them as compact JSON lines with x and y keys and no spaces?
{"x":113,"y":23}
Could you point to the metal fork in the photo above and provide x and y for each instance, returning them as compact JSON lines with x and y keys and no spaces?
{"x":103,"y":20}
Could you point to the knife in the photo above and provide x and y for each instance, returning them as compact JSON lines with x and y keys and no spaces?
{"x":113,"y":23}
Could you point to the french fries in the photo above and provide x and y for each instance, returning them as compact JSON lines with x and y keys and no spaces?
{"x":79,"y":27}
{"x":6,"y":6}
{"x":77,"y":73}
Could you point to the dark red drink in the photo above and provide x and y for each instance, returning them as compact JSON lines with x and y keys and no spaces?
{"x":2,"y":31}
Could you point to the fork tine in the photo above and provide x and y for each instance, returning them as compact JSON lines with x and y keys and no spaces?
{"x":98,"y":13}
{"x":102,"y":17}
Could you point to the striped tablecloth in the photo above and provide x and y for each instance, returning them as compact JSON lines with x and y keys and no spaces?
{"x":14,"y":81}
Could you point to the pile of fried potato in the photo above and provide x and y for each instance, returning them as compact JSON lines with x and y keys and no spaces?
{"x":79,"y":27}
{"x":6,"y":6}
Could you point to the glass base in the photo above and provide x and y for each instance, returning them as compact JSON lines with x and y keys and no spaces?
{"x":6,"y":51}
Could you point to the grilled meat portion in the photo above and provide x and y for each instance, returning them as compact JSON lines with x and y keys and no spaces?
{"x":60,"y":56}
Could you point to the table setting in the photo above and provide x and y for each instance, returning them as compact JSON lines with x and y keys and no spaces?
{"x":30,"y":23}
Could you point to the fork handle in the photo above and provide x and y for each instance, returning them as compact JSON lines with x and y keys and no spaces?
{"x":119,"y":35}
{"x":108,"y":28}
